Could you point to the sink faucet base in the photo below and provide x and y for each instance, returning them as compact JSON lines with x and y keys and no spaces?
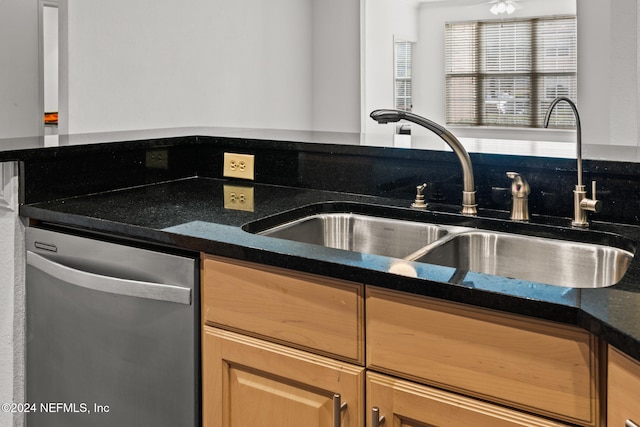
{"x":469,"y":206}
{"x":582,"y":205}
{"x":520,"y":191}
{"x":579,"y":214}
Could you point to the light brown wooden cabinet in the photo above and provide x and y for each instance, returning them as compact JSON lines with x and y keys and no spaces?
{"x":280,"y":348}
{"x":623,"y":384}
{"x":278,"y":345}
{"x":251,"y":382}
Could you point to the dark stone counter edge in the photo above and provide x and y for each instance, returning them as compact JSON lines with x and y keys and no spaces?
{"x":326,"y":147}
{"x":564,"y":313}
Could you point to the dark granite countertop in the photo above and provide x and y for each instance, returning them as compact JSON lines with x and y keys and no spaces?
{"x":19,"y":148}
{"x":189,"y":213}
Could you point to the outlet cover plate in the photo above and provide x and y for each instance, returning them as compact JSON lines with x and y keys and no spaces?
{"x":157,"y":159}
{"x":238,"y":166}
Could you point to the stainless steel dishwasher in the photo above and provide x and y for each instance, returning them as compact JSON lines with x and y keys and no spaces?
{"x":112,"y":334}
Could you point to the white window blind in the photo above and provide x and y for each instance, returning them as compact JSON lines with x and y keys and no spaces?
{"x":506,"y":73}
{"x":403,"y":63}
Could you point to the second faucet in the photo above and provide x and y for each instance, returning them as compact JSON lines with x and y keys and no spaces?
{"x":581,"y":204}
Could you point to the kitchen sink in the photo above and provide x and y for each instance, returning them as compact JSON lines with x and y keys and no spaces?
{"x":601,"y":260}
{"x":551,"y":261}
{"x":359,"y":233}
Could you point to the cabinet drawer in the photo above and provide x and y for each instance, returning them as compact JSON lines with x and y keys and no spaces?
{"x":411,"y":404}
{"x":624,"y":389}
{"x":303,"y":310}
{"x":544,"y":367}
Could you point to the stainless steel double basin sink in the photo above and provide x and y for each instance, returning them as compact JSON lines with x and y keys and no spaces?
{"x":553,"y":261}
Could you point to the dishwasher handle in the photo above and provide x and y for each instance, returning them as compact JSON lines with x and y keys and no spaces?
{"x":113,"y":285}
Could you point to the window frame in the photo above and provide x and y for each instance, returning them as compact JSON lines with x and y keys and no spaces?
{"x":405,"y":80}
{"x":475,"y":71}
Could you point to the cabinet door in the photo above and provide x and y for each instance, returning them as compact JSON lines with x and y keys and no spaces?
{"x":624,"y":390}
{"x":250,"y":382}
{"x":407,"y":404}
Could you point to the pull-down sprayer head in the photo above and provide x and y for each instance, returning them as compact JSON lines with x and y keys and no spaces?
{"x":392,"y":116}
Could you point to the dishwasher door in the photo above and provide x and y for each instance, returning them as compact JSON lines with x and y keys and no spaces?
{"x":112,"y":334}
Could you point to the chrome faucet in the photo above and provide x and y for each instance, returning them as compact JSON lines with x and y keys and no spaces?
{"x":581,"y":204}
{"x":469,"y":206}
{"x":520,"y":191}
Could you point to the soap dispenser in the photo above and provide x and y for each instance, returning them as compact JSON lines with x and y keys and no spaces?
{"x":520,"y":193}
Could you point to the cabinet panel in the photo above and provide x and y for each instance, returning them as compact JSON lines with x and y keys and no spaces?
{"x":305,"y":310}
{"x":250,"y":382}
{"x":543,"y":367}
{"x":407,"y":404}
{"x":623,"y":389}
{"x":274,"y":400}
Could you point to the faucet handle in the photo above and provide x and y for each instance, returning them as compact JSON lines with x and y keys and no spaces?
{"x":513,"y":175}
{"x":592,"y":204}
{"x":519,"y":186}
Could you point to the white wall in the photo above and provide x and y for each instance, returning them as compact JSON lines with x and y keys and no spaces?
{"x":335,"y":66}
{"x":608,"y":72}
{"x":240,"y":63}
{"x":383,"y":21}
{"x":136,"y":65}
{"x":20,"y":115}
{"x":20,"y":111}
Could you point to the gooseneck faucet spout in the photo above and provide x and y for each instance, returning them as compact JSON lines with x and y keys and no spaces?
{"x":578,"y":129}
{"x":469,"y":206}
{"x":581,"y":204}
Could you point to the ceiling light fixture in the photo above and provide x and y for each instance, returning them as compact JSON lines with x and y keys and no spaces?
{"x":503,"y":6}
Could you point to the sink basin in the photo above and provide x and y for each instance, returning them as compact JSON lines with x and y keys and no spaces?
{"x":359,"y":233}
{"x":575,"y":264}
{"x":555,"y":262}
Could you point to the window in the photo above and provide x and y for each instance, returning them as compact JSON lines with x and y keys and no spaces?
{"x":506,"y":73}
{"x":403,"y":58}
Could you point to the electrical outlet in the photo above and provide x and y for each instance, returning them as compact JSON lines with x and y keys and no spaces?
{"x":157,"y":159}
{"x":238,"y":166}
{"x":238,"y":197}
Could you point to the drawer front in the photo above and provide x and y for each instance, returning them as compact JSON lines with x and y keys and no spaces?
{"x":624,"y":389}
{"x":303,"y":310}
{"x":409,"y":404}
{"x":547,"y":368}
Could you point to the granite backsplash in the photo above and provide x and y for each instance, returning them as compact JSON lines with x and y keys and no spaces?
{"x":386,"y":172}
